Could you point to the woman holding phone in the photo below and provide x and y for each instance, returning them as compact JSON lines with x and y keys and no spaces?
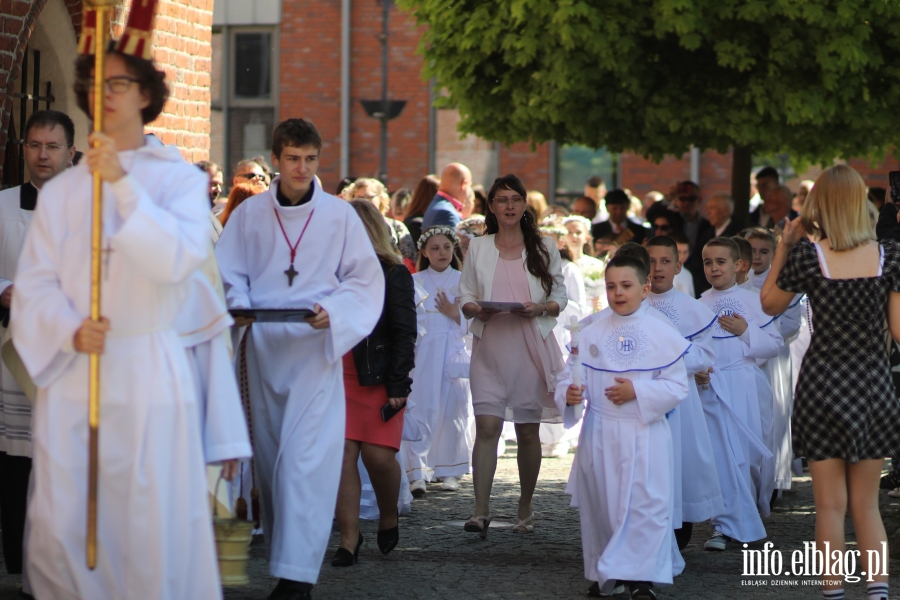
{"x":376,"y":385}
{"x":515,"y":357}
{"x":845,"y":408}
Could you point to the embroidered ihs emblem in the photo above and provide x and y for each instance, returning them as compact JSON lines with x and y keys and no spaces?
{"x":727,"y":307}
{"x":626,"y":345}
{"x":666,"y":307}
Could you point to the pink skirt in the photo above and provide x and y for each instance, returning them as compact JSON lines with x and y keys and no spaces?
{"x":513,"y":371}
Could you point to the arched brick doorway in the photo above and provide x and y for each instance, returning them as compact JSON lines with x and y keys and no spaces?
{"x":20,"y":24}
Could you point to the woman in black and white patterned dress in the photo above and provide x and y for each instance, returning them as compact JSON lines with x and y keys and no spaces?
{"x":846,"y":415}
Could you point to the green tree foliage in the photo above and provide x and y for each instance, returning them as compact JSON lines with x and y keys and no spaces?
{"x":816,"y":78}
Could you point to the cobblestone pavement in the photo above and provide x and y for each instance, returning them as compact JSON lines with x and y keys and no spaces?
{"x":436,"y":559}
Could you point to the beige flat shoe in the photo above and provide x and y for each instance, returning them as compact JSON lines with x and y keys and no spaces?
{"x":524,"y":525}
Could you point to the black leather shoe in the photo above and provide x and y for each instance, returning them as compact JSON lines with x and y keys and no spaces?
{"x":344,"y":558}
{"x":387,"y":539}
{"x":288,"y":589}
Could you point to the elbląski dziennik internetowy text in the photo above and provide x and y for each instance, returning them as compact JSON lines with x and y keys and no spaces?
{"x":813,"y":562}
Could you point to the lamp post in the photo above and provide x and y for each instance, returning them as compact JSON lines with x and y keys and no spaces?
{"x":384,"y":110}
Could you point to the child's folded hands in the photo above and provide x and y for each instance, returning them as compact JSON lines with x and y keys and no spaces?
{"x":621,"y":393}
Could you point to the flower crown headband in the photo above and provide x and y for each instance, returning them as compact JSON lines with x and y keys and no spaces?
{"x":554,"y":229}
{"x":583,"y":221}
{"x":438,"y":230}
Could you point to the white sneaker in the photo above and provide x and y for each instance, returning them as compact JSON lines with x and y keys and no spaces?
{"x":449,"y":484}
{"x":561,"y":450}
{"x":716,"y":542}
{"x":546,"y":450}
{"x":417,"y":488}
{"x":501,"y":447}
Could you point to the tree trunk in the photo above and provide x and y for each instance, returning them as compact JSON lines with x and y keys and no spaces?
{"x":741,"y":165}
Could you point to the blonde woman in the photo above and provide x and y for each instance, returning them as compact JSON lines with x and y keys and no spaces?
{"x":376,"y":374}
{"x":374,"y":191}
{"x":846,"y":412}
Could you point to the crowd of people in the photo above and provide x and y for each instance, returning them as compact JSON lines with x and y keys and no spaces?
{"x":694,"y":337}
{"x":391,"y":344}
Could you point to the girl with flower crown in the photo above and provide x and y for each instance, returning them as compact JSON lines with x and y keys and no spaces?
{"x":440,"y":389}
{"x":593,"y":269}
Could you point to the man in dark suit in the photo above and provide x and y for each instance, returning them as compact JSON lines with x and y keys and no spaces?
{"x":697,"y":230}
{"x":776,"y":207}
{"x":619,"y":226}
{"x":719,"y":209}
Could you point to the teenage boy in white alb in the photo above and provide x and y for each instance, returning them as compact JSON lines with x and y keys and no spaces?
{"x":294,"y":246}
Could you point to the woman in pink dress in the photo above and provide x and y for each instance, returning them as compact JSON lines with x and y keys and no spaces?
{"x":515,"y":358}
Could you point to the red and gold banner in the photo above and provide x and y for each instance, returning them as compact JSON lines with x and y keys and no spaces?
{"x":88,"y":31}
{"x":138,"y":35}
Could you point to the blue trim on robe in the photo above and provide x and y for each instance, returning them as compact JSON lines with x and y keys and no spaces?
{"x":688,"y":349}
{"x":693,"y":335}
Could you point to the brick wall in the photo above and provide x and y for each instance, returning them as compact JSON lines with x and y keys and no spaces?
{"x":310,"y":75}
{"x":181,"y":40}
{"x":874,"y":175}
{"x":311,"y":87}
{"x":641,"y":175}
{"x":531,"y":166}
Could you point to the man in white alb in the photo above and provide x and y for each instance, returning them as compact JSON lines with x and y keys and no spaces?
{"x":294,"y":246}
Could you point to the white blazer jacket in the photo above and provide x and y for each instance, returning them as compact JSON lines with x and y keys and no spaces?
{"x":478,"y":278}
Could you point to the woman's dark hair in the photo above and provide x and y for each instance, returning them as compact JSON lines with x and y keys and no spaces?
{"x":423,"y":194}
{"x":537,"y":259}
{"x":480,"y":207}
{"x":151,"y":80}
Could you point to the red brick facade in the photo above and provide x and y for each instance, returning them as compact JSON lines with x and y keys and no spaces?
{"x":181,"y":47}
{"x":311,"y":87}
{"x":182,"y":41}
{"x":641,"y":176}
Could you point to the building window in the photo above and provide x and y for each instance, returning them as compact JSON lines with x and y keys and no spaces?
{"x":252,"y":65}
{"x":244,"y":86}
{"x":575,"y":164}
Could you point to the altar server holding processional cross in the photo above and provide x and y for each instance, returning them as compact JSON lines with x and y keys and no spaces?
{"x":295,"y":246}
{"x":154,"y":536}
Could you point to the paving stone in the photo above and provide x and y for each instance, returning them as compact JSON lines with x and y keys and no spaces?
{"x":436,"y":559}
